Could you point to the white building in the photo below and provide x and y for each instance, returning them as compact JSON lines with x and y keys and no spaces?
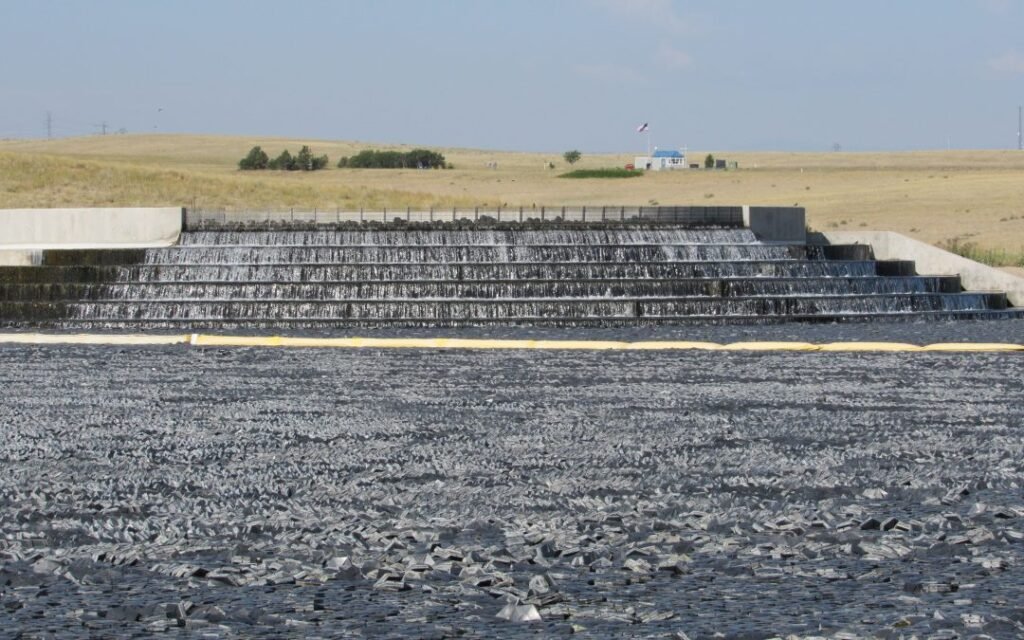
{"x":663,"y":159}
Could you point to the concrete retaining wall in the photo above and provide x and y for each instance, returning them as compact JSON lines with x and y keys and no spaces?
{"x":20,"y":258}
{"x":930,"y":260}
{"x":36,"y":229}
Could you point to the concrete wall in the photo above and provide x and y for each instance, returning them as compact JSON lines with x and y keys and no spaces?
{"x":888,"y":245}
{"x":776,"y":224}
{"x":20,"y":257}
{"x":35,"y":229}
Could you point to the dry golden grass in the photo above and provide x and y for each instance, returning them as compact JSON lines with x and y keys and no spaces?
{"x":971,"y":196}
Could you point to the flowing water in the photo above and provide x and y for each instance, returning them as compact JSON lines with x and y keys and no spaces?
{"x":325,"y":278}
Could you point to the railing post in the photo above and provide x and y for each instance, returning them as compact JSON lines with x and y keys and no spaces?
{"x":431,"y":214}
{"x":602,"y":213}
{"x":622,"y":214}
{"x":407,"y":210}
{"x":476,"y":214}
{"x":584,"y":213}
{"x":520,"y":215}
{"x":542,"y":213}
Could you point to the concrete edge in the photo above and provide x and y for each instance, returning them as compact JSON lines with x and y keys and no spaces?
{"x":931,"y":260}
{"x":89,"y":228}
{"x":204,"y":340}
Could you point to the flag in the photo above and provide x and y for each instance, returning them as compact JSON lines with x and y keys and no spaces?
{"x":642,"y":128}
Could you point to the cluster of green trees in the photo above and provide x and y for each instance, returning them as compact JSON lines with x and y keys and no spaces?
{"x":304,"y":160}
{"x":415,"y":159}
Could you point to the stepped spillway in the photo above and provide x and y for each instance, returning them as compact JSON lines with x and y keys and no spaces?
{"x":317,"y":279}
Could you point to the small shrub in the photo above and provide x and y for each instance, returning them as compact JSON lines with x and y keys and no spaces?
{"x":709,"y":162}
{"x":571,"y":157}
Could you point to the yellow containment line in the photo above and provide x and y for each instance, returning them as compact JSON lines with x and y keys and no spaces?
{"x":973,"y":346}
{"x":770,"y":346}
{"x":205,"y":340}
{"x":869,"y":346}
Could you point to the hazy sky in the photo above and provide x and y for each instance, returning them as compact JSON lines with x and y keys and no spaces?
{"x":545,"y":75}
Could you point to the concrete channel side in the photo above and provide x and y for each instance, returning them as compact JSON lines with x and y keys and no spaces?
{"x":25,"y":233}
{"x":930,"y":260}
{"x":776,"y":224}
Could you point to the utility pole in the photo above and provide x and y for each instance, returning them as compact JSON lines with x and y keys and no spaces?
{"x":103,"y":128}
{"x":49,"y":124}
{"x":1020,"y":143}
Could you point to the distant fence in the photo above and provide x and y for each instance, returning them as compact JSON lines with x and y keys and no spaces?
{"x":687,"y":216}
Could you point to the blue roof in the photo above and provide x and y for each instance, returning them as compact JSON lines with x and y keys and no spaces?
{"x":667,"y":153}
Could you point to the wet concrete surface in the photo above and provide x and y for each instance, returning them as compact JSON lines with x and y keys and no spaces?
{"x":372,"y":493}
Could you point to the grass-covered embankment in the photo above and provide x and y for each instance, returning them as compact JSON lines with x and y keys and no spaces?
{"x":602,"y":173}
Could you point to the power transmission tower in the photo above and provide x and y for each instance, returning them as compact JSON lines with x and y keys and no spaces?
{"x":103,"y":128}
{"x":49,"y":124}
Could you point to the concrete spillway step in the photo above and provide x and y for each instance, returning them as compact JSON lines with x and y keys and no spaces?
{"x":557,"y":276}
{"x":274,"y":324}
{"x":458,"y":254}
{"x":386,"y":272}
{"x":476,"y":289}
{"x":191,"y":255}
{"x":489,"y":309}
{"x":314,"y":238}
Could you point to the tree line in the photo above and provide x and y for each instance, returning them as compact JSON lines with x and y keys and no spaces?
{"x":257,"y":159}
{"x":415,"y":159}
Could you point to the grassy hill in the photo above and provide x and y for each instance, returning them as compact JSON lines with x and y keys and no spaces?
{"x":965,"y":196}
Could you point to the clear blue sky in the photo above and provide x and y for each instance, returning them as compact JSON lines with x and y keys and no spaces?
{"x":543,"y":75}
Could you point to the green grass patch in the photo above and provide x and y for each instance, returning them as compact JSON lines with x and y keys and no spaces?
{"x":602,"y":173}
{"x":991,"y":257}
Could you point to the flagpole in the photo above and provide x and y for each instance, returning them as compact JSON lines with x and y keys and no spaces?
{"x":648,"y":143}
